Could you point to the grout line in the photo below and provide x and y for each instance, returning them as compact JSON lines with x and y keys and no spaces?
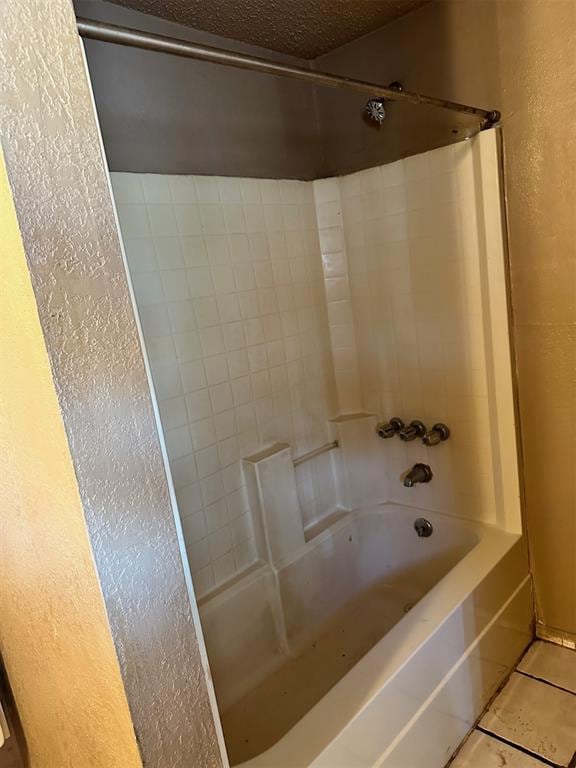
{"x":519,"y":747}
{"x":546,"y":682}
{"x":482,"y":729}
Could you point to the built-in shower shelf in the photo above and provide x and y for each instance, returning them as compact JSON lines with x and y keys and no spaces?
{"x":343,"y":417}
{"x":318,"y":527}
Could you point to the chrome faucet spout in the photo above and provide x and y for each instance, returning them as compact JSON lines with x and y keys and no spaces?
{"x":420,"y":473}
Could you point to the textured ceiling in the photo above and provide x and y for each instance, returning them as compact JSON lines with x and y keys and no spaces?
{"x":305,"y":28}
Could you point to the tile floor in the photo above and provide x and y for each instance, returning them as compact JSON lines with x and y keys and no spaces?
{"x":532,"y":721}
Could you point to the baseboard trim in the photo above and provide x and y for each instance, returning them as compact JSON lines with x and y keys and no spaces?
{"x":556,"y":636}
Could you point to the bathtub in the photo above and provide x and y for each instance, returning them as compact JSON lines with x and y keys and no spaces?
{"x":371,"y":646}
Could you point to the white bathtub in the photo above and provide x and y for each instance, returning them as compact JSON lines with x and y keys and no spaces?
{"x":366,"y":634}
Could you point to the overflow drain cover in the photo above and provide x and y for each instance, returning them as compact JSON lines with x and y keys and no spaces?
{"x":423,"y":527}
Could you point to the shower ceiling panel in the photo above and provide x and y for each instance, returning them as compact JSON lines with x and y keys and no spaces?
{"x":304,"y":28}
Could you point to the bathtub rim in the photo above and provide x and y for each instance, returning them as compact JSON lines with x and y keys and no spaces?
{"x":354,"y":692}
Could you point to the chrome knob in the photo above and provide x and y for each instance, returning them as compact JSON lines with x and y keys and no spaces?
{"x":387,"y":429}
{"x":436,"y":435}
{"x":412,"y":431}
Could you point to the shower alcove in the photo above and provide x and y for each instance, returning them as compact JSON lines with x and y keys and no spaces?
{"x":282,"y":318}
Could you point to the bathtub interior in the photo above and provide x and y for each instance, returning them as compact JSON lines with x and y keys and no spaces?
{"x":318,"y":615}
{"x":371,"y":548}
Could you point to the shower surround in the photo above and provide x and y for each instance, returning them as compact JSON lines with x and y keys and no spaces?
{"x":279,"y":316}
{"x":270,"y":308}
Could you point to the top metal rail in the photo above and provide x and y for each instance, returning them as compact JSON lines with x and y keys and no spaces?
{"x":111,"y":33}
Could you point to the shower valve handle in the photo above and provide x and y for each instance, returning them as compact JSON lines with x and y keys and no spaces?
{"x":412,"y":431}
{"x":436,"y":435}
{"x":387,"y":429}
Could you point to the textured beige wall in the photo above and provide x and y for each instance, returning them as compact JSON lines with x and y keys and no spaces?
{"x":538,"y":66}
{"x":54,"y":633}
{"x":66,"y":218}
{"x":518,"y":56}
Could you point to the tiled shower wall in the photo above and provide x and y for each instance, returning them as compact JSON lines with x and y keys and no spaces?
{"x":403,"y":254}
{"x":268,"y":307}
{"x":228,"y":281}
